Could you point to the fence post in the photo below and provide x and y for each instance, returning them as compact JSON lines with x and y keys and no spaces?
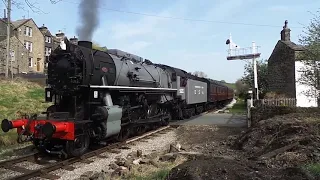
{"x":249,"y":104}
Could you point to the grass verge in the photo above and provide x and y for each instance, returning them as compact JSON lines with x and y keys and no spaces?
{"x":18,"y":97}
{"x":313,"y":169}
{"x":147,"y":172}
{"x":240,"y":107}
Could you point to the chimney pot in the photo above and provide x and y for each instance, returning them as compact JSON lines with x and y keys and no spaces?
{"x":285,"y":33}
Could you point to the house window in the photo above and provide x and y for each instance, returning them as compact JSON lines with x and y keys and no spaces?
{"x":28,"y":45}
{"x":47,"y":60}
{"x":48,"y":39}
{"x":30,"y":61}
{"x":12,"y":55}
{"x":47,"y":51}
{"x":28,"y":31}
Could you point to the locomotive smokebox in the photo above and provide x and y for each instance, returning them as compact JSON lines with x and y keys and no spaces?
{"x":86,"y":44}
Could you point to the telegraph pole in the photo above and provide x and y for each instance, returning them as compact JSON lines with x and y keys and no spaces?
{"x":8,"y":37}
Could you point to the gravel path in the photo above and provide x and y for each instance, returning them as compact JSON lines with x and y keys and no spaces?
{"x":154,"y":144}
{"x":159,"y":143}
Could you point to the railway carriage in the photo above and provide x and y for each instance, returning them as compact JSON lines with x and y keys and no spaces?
{"x":101,"y":95}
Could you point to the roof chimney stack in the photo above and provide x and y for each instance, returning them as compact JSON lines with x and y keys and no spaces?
{"x":285,"y":33}
{"x":60,"y":34}
{"x":74,"y":40}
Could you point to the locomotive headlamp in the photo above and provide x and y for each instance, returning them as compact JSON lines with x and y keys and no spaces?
{"x":6,"y":125}
{"x":95,"y":94}
{"x":48,"y":95}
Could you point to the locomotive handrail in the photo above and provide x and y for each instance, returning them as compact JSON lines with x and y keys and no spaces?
{"x":126,"y":87}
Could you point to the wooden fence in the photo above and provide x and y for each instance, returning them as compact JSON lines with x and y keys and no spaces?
{"x":291,"y":102}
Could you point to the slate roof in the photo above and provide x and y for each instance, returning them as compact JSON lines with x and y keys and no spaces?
{"x":293,"y":45}
{"x":5,"y":21}
{"x":19,"y":22}
{"x":45,"y":30}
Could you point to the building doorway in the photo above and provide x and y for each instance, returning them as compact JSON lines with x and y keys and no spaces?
{"x":38,"y":64}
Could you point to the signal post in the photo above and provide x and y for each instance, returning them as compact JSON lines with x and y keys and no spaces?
{"x":237,"y":53}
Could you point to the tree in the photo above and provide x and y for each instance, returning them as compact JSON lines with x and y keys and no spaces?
{"x":262,"y":71}
{"x":310,"y":57}
{"x":99,"y":47}
{"x":200,"y":74}
{"x":241,"y":88}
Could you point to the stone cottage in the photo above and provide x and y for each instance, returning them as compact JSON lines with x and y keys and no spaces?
{"x":27,"y":31}
{"x":284,"y":70}
{"x":19,"y":54}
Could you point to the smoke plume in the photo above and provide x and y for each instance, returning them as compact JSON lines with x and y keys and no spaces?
{"x":89,"y":13}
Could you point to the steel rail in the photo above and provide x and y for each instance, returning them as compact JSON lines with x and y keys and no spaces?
{"x":66,"y":164}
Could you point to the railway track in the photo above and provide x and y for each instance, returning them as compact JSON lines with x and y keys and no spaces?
{"x":44,"y":172}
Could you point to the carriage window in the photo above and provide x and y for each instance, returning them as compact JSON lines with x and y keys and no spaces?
{"x":174,"y":77}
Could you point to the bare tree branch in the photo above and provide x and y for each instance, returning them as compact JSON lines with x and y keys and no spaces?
{"x":55,"y":1}
{"x":31,"y":5}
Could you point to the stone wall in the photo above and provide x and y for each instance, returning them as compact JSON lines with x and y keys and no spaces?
{"x":281,"y":70}
{"x":266,"y":112}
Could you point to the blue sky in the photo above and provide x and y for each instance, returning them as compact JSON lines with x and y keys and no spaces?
{"x":188,"y":45}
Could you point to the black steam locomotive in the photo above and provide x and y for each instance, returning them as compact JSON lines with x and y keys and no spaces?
{"x":99,"y":95}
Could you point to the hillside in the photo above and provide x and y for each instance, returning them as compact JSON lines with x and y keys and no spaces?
{"x":19,"y":97}
{"x":230,"y":85}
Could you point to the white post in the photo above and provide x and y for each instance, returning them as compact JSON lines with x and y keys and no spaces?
{"x":11,"y":59}
{"x":255,"y":73}
{"x":230,"y":47}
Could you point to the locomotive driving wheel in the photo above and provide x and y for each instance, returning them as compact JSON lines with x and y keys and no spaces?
{"x":78,"y":146}
{"x":123,"y":134}
{"x":141,"y":129}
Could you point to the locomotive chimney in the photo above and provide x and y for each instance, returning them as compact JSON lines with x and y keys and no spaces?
{"x":86,"y":44}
